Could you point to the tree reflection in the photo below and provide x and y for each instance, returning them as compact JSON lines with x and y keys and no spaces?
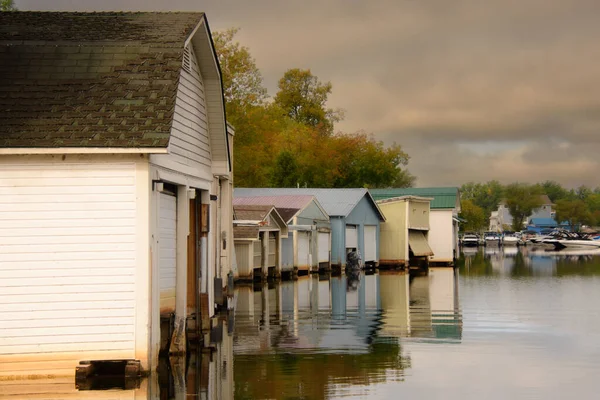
{"x":293,"y":375}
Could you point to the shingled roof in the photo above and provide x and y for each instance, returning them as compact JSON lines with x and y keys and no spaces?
{"x":90,"y":79}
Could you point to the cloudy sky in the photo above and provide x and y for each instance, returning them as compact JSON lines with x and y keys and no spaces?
{"x":473,"y":90}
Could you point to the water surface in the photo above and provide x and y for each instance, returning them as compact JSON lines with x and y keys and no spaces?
{"x":507,"y":323}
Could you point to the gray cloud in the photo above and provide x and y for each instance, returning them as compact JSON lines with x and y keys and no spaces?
{"x":440,"y":78}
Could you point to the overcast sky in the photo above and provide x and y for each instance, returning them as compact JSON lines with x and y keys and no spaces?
{"x":473,"y":90}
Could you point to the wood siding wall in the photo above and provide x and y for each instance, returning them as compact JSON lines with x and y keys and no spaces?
{"x":441,"y":236}
{"x":189,"y":146}
{"x":67,"y":263}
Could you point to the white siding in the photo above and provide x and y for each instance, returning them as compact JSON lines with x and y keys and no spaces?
{"x":440,"y":236}
{"x":189,"y":145}
{"x":303,"y":250}
{"x":272,"y":260}
{"x":244,"y":257}
{"x":351,"y":237}
{"x":67,"y":262}
{"x":370,"y":243}
{"x":324,"y":246}
{"x":167,"y":242}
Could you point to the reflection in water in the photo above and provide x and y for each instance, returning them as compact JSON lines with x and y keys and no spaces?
{"x":526,"y":326}
{"x":330,"y":335}
{"x":206,"y":374}
{"x":526,"y":261}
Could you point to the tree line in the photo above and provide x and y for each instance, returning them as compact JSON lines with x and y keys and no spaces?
{"x":289,"y":140}
{"x":580,"y":206}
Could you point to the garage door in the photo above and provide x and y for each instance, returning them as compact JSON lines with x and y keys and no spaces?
{"x":303,"y":250}
{"x":351,"y":237}
{"x":324,"y":247}
{"x":167,"y":231}
{"x":370,"y":243}
{"x":67,"y":260}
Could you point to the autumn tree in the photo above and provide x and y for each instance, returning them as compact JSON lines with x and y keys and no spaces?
{"x":521,"y":200}
{"x":242,"y":80}
{"x":473,"y":215}
{"x":303,"y":98}
{"x":7,"y":5}
{"x":290,"y":141}
{"x":575,"y":212}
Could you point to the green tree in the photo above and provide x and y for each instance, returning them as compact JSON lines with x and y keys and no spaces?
{"x":583,"y":192}
{"x":7,"y":5}
{"x":485,"y":195}
{"x":303,"y":98}
{"x":286,"y":172}
{"x":575,"y":212}
{"x":473,"y":215}
{"x":554,"y":190}
{"x":521,"y":200}
{"x":593,"y":204}
{"x":242,"y":80}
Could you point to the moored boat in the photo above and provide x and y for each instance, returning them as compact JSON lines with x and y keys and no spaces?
{"x":572,"y":240}
{"x":470,"y":240}
{"x":510,"y":239}
{"x":492,"y":238}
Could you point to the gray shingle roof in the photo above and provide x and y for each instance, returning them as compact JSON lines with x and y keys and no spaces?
{"x":90,"y":79}
{"x":335,"y":202}
{"x":287,"y":206}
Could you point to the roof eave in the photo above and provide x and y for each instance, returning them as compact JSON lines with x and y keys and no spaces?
{"x":82,"y":150}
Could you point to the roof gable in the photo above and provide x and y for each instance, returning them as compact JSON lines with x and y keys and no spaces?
{"x":288,"y":206}
{"x":247,"y":220}
{"x":94,"y":79}
{"x":443,"y":197}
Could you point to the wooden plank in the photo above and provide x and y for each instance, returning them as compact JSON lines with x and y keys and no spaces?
{"x":67,"y":290}
{"x":81,"y":255}
{"x":76,"y":321}
{"x":45,"y":316}
{"x":81,"y":188}
{"x":66,"y":215}
{"x":96,"y":301}
{"x":64,"y":181}
{"x":72,"y":239}
{"x":72,"y":198}
{"x":80,"y":206}
{"x":79,"y":335}
{"x":65,"y":264}
{"x":62,"y":281}
{"x":204,"y":218}
{"x":32,"y":248}
{"x":87,"y":343}
{"x":192,"y":278}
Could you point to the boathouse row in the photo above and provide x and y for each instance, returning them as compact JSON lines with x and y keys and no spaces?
{"x":115,"y":186}
{"x":443,"y":218}
{"x":354,"y":218}
{"x":306,"y":248}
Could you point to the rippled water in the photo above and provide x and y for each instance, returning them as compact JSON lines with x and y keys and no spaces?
{"x":506,"y":324}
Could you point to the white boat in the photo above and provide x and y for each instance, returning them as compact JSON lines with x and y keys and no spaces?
{"x":510,"y":239}
{"x":492,"y":238}
{"x":470,"y":240}
{"x":570,"y":240}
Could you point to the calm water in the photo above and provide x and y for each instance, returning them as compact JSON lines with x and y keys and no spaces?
{"x":506,"y":324}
